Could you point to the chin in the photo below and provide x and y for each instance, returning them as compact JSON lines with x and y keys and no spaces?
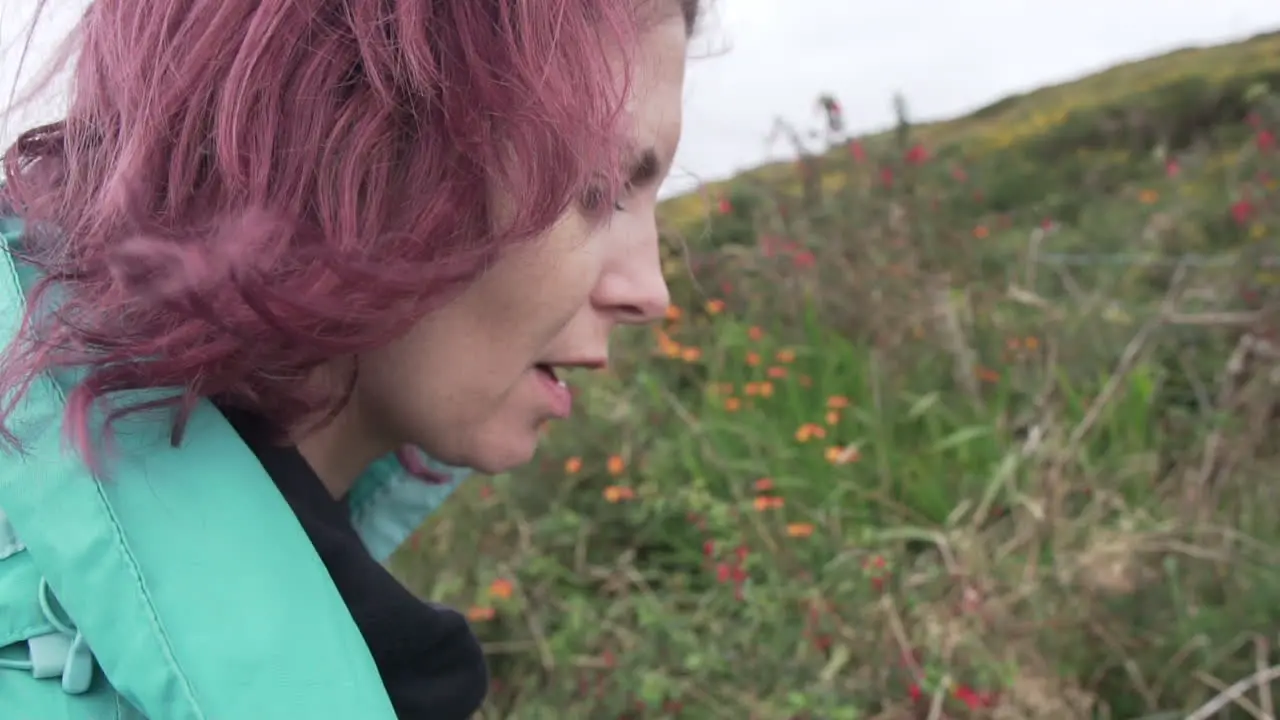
{"x":503,"y":457}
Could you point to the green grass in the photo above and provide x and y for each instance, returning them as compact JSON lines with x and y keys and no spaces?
{"x":924,"y":469}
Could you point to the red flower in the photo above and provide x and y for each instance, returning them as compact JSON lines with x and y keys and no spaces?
{"x":1266,"y":141}
{"x":857,"y":151}
{"x":1241,"y":211}
{"x":917,"y":155}
{"x":886,"y":176}
{"x":724,"y":206}
{"x":1172,"y":169}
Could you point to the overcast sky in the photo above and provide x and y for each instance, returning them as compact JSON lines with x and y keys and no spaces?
{"x":761,"y":59}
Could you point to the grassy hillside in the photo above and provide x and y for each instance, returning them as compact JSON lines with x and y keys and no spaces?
{"x":969,"y":419}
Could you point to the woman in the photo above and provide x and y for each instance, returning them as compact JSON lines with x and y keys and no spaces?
{"x":283,"y":270}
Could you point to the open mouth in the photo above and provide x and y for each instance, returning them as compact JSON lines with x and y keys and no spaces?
{"x":549,"y":372}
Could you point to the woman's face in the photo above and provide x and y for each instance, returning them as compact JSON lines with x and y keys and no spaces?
{"x":469,"y":384}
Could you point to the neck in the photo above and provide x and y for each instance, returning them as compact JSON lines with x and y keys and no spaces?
{"x":340,"y":451}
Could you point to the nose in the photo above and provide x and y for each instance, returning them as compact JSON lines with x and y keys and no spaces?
{"x":634,"y":290}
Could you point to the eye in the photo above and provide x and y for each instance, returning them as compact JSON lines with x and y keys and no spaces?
{"x":593,"y":200}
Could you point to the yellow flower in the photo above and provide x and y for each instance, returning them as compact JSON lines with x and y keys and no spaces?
{"x":766,"y":389}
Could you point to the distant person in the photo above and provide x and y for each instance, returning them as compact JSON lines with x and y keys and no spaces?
{"x":284,"y":269}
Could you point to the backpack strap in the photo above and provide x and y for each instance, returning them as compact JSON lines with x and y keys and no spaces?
{"x":185,"y":572}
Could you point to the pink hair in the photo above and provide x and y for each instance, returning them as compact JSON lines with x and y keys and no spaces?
{"x":244,"y":190}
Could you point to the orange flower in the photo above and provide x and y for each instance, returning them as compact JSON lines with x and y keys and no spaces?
{"x":842,"y":455}
{"x":618,"y":493}
{"x":616,"y":465}
{"x":691,"y":354}
{"x":573,"y":465}
{"x":501,"y":589}
{"x":1032,"y":343}
{"x":987,"y":375}
{"x":981,"y":232}
{"x":751,"y":389}
{"x":766,"y":389}
{"x":800,"y":530}
{"x":1148,"y":197}
{"x":480,"y":614}
{"x":837,"y":402}
{"x":715,"y":307}
{"x":833,"y":417}
{"x":732,"y":404}
{"x":673,"y":313}
{"x":765,"y":502}
{"x":809,"y":431}
{"x":753,"y":359}
{"x":786,"y":355}
{"x":755,"y":333}
{"x":777,"y":372}
{"x":764,"y":484}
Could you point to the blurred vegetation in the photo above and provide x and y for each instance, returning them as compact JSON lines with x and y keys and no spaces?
{"x":964,"y":419}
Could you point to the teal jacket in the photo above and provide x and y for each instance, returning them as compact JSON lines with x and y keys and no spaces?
{"x":182,"y":587}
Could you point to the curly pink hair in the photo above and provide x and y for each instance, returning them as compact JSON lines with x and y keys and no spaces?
{"x":243,"y":190}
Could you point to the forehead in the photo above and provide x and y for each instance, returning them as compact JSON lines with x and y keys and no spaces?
{"x":655,"y":107}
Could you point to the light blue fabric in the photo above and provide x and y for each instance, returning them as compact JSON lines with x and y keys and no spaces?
{"x":196,"y":590}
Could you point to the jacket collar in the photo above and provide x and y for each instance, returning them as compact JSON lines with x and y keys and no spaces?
{"x":211,"y":578}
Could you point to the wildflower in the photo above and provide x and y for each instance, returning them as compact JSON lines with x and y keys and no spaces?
{"x":709,"y":548}
{"x":764,"y":484}
{"x":917,"y":155}
{"x":833,"y":417}
{"x":501,"y":589}
{"x":857,"y":150}
{"x":715,"y":307}
{"x":751,"y":389}
{"x":777,"y":373}
{"x":1266,"y":140}
{"x":753,"y":359}
{"x":786,"y":356}
{"x":768,"y":502}
{"x":1148,"y":197}
{"x":799,"y":530}
{"x":987,"y":375}
{"x":691,"y":354}
{"x":1032,"y":343}
{"x":804,"y":260}
{"x":837,"y":455}
{"x":616,"y":465}
{"x":480,"y":614}
{"x":809,"y":431}
{"x":618,"y":493}
{"x":766,"y":389}
{"x":724,"y":206}
{"x":723,"y":572}
{"x":1242,"y":211}
{"x":732,"y":404}
{"x":1172,"y":169}
{"x":755,"y":333}
{"x":573,"y":465}
{"x":837,"y":402}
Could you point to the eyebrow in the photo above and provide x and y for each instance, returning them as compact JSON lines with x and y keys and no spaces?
{"x":645,"y":168}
